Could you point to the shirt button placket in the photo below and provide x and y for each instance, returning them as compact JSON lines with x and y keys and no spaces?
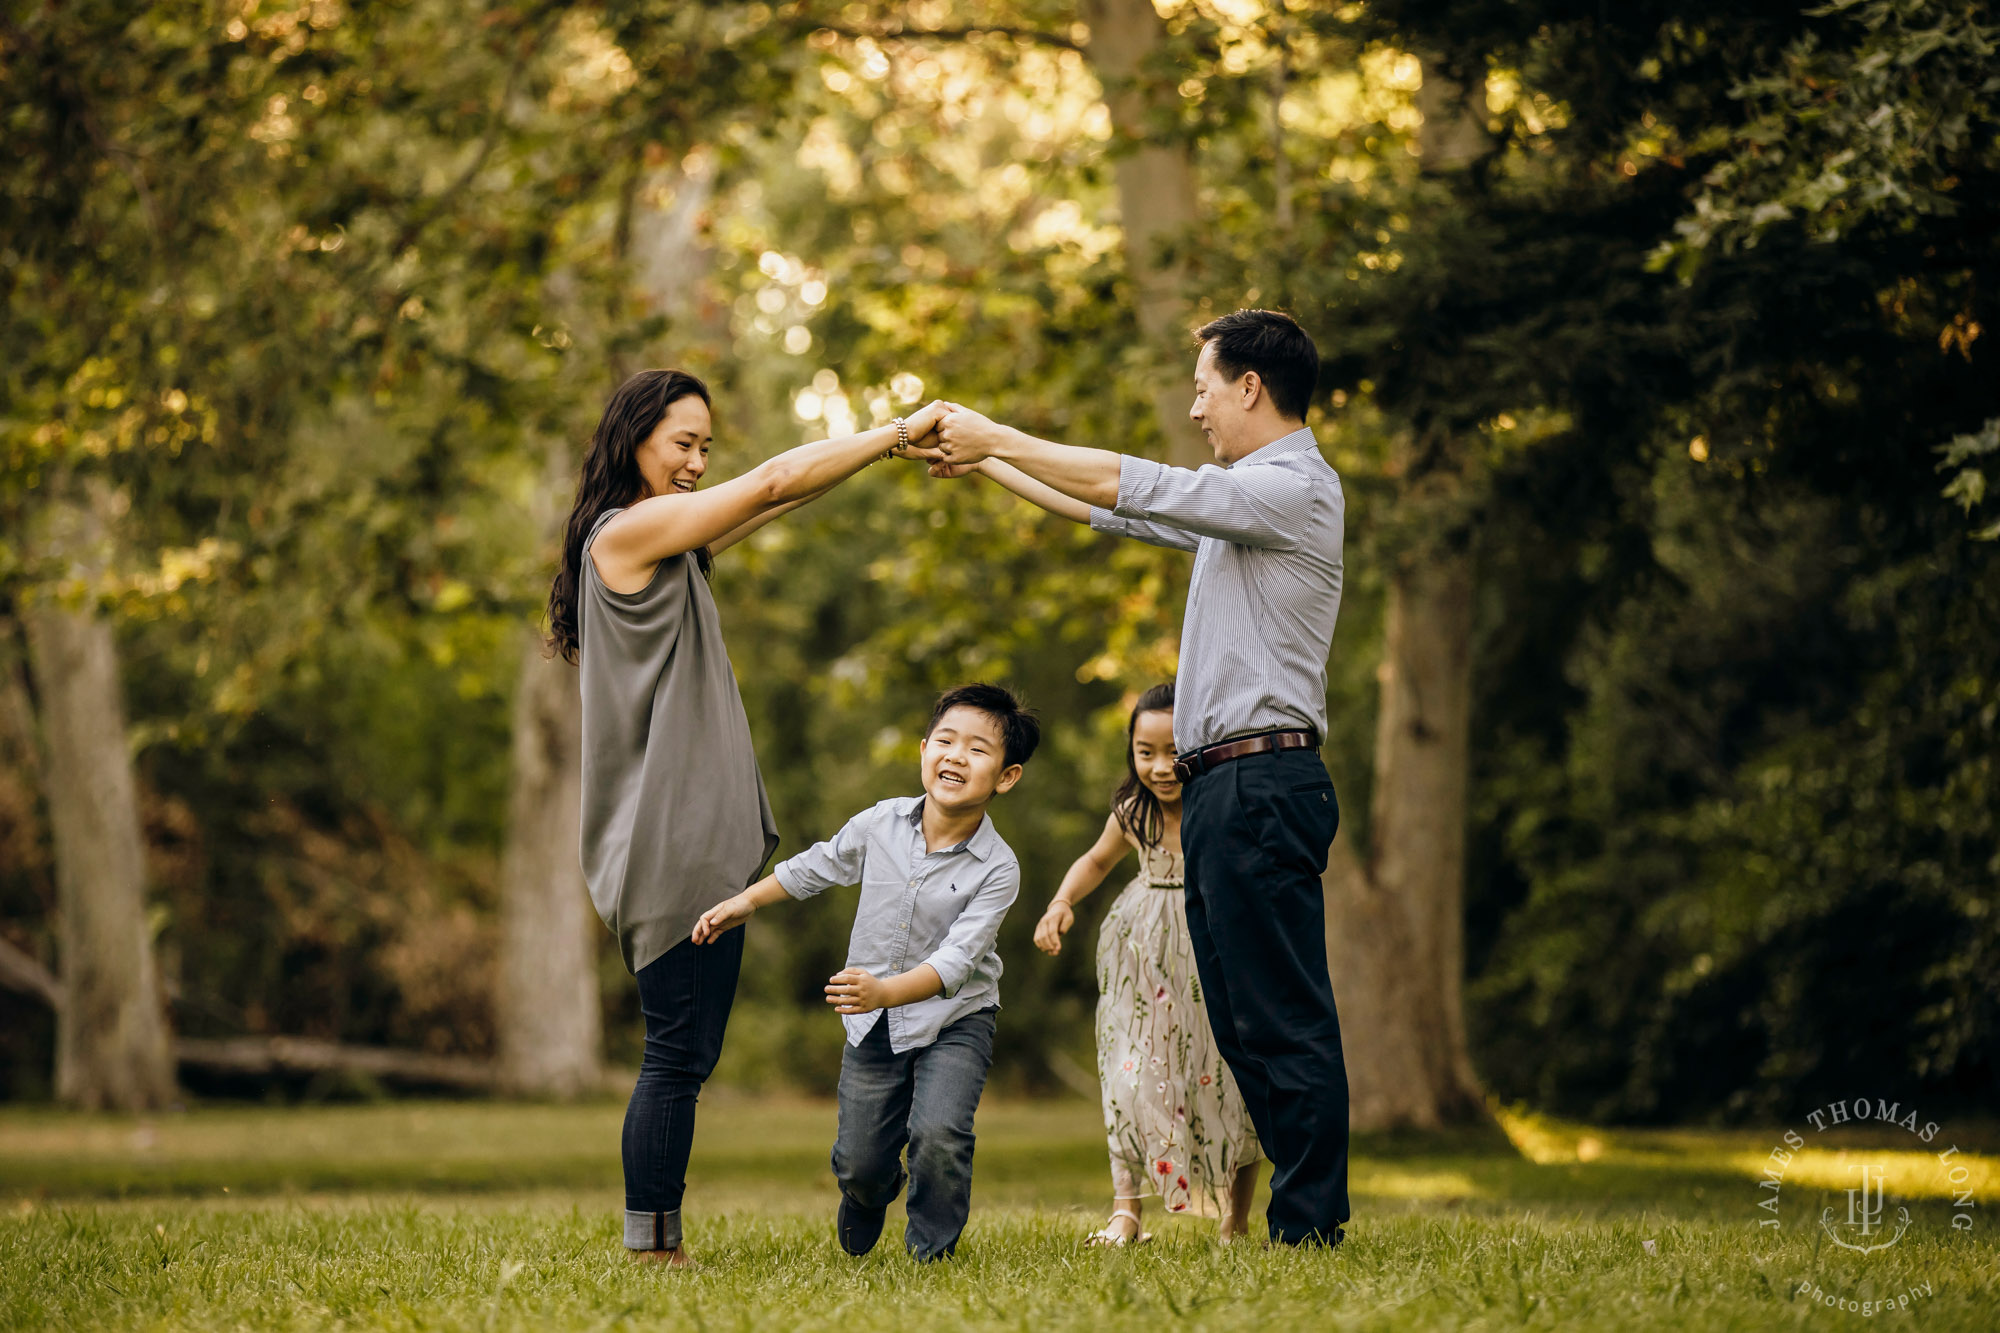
{"x":903,"y":927}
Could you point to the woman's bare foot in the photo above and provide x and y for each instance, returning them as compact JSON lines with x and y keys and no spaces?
{"x":675,"y":1258}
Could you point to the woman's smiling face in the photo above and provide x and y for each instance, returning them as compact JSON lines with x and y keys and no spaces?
{"x":676,"y":454}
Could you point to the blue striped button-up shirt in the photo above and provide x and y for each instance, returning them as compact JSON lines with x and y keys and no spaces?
{"x":917,"y":906}
{"x":1267,"y":535}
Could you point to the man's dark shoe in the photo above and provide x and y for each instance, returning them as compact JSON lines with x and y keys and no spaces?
{"x":858,"y":1228}
{"x":1314,"y":1240}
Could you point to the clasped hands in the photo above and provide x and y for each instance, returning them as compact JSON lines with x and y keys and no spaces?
{"x":952,"y":439}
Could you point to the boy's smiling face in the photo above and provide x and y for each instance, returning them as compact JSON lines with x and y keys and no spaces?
{"x":964,"y":761}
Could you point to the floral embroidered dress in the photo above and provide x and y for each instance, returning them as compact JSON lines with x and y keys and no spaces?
{"x":1173,"y":1117}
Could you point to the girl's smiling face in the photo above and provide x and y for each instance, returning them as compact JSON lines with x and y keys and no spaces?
{"x":1153,"y":754}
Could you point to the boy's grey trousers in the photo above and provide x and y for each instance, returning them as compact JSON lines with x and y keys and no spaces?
{"x":923,"y":1098}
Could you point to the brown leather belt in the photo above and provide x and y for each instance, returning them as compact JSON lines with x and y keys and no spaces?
{"x":1193,"y":765}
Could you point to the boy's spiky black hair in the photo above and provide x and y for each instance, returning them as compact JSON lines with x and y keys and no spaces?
{"x":1020,"y":729}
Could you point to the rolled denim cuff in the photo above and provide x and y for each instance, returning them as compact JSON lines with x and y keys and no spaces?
{"x":652,"y":1231}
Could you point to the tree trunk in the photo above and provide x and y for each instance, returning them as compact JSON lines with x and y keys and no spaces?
{"x":547,"y":1008}
{"x":1395,"y":936}
{"x":549,"y":1018}
{"x":113,"y":1050}
{"x":1157,"y":205}
{"x":1396,"y":921}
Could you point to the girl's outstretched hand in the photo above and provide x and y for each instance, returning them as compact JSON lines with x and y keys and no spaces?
{"x":1055,"y":924}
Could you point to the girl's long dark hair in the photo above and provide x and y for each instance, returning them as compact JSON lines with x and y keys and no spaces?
{"x":1136,"y":807}
{"x":611,"y":480}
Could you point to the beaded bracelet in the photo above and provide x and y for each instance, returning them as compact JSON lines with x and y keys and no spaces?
{"x":902,"y":438}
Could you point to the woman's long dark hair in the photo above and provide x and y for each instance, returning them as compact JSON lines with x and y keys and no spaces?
{"x":1135,"y":806}
{"x":611,"y":480}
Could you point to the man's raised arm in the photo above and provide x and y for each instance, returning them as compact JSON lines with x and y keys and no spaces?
{"x":1254,"y":507}
{"x":1089,"y":475}
{"x":1053,"y":500}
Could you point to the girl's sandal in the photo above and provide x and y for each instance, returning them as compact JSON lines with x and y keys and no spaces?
{"x":1114,"y":1238}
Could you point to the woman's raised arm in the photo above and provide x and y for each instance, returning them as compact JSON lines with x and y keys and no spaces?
{"x":742,"y":530}
{"x":1023,"y":485}
{"x":660,"y":526}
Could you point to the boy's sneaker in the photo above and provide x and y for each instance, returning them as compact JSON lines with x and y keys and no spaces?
{"x":858,"y":1228}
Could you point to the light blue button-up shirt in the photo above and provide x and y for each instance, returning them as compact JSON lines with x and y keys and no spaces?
{"x":1267,"y":535}
{"x":943,"y":908}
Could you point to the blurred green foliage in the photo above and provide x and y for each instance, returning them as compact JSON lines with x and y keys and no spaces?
{"x":326,"y":302}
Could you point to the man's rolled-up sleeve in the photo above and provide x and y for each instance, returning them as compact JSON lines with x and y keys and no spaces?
{"x":1154,"y":534}
{"x":835,"y":863}
{"x":1256,"y":505}
{"x":973,"y":935}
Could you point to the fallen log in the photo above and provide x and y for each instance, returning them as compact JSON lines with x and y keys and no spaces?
{"x":267,"y":1056}
{"x":310,"y":1055}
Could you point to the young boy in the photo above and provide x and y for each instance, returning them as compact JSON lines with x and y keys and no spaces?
{"x":922,"y":981}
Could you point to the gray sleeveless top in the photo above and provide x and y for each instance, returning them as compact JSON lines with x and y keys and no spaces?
{"x":675,"y":818}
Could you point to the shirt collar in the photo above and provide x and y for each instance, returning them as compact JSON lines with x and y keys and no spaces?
{"x":1296,"y":442}
{"x":980,"y":843}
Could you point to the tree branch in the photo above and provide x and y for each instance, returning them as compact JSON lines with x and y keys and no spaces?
{"x":422,"y":216}
{"x":1039,"y":36}
{"x":20,"y":971}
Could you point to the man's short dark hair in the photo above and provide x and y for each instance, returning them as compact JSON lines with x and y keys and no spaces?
{"x":1020,"y":729}
{"x":1271,"y":343}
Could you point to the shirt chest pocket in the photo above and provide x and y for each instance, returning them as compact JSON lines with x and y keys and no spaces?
{"x":940,"y":899}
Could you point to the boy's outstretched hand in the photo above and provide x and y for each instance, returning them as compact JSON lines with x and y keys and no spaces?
{"x":724,"y":916}
{"x":853,"y":991}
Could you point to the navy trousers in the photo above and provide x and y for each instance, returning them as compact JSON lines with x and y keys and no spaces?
{"x":685,"y":994}
{"x":1256,"y":833}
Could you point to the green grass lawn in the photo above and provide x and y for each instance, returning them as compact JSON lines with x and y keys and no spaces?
{"x":484,"y":1215}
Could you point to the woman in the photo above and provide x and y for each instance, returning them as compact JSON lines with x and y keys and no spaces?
{"x":675,"y":818}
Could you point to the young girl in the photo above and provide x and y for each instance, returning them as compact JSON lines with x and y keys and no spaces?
{"x":1175,"y":1122}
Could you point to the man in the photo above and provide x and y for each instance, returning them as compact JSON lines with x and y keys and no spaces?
{"x":1259,"y":811}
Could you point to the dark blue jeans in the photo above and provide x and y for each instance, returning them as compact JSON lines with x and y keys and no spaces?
{"x":685,"y":995}
{"x":1256,"y":834}
{"x":923,"y":1098}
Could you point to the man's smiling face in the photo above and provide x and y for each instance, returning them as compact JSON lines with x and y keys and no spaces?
{"x":965,"y":760}
{"x":1220,"y":407}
